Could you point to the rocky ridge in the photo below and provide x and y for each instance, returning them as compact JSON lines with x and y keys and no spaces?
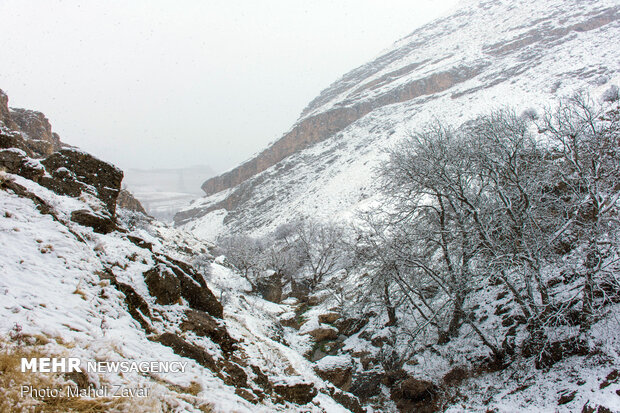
{"x":482,"y":56}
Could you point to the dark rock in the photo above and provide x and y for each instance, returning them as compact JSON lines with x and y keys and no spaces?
{"x":350,"y":326}
{"x":556,"y":351}
{"x":261,"y":379}
{"x":611,"y":378}
{"x":366,"y":385}
{"x":136,"y":305}
{"x":247,"y":395}
{"x":298,"y":393}
{"x":455,"y":376}
{"x":16,"y":161}
{"x":339,"y":374}
{"x":200,"y":297}
{"x":5,"y":115}
{"x":234,"y":375}
{"x":12,"y":139}
{"x":300,"y":289}
{"x":163,"y":285}
{"x":270,"y":288}
{"x":139,"y":242}
{"x":587,"y":408}
{"x":102,"y":223}
{"x":205,"y":325}
{"x":349,"y":402}
{"x":73,"y":172}
{"x":193,"y":287}
{"x":566,"y":397}
{"x":185,"y":349}
{"x":413,"y":395}
{"x":323,"y":333}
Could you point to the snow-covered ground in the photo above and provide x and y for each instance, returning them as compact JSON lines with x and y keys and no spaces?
{"x":53,"y":288}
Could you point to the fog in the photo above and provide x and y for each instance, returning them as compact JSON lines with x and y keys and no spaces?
{"x":163,"y":84}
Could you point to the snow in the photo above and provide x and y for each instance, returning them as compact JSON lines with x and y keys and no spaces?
{"x":334,"y":179}
{"x":50,"y":285}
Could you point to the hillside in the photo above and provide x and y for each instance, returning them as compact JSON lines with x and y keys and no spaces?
{"x":485,"y":55}
{"x":84,"y":278}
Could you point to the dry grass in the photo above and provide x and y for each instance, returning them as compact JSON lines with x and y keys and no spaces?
{"x":12,"y":380}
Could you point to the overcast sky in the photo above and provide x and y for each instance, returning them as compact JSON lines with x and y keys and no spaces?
{"x":165,"y":84}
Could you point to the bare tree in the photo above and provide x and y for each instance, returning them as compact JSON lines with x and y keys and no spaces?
{"x":320,"y":244}
{"x":245,"y":253}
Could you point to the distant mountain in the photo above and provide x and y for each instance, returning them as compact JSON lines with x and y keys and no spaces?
{"x":163,"y":192}
{"x":484,"y":55}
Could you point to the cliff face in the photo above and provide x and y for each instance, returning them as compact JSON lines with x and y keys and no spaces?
{"x":485,"y":55}
{"x":316,"y":125}
{"x":33,"y":127}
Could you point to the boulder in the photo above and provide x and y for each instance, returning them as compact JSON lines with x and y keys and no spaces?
{"x":366,"y":385}
{"x":16,"y":161}
{"x":73,"y":172}
{"x":337,"y":370}
{"x":5,"y":115}
{"x":322,"y":333}
{"x":329,"y":317}
{"x":298,"y":393}
{"x":163,"y":285}
{"x":414,"y":395}
{"x":193,"y":287}
{"x":102,"y":222}
{"x":37,"y":130}
{"x":270,"y":288}
{"x":350,"y":402}
{"x":126,"y":200}
{"x":11,"y":139}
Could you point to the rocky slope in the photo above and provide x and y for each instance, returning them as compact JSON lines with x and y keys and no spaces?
{"x":81,"y":277}
{"x":484,"y":55}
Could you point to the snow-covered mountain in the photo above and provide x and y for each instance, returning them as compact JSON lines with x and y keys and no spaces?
{"x":484,"y":55}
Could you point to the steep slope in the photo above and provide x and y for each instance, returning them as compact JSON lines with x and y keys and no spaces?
{"x":484,"y":55}
{"x":82,"y":278}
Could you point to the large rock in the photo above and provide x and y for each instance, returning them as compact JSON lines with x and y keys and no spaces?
{"x":337,"y":370}
{"x":270,"y":288}
{"x":73,"y":172}
{"x":329,"y":317}
{"x":16,"y":161}
{"x":185,"y":349}
{"x":322,"y":333}
{"x":193,"y":287}
{"x":366,"y":385}
{"x":101,"y":222}
{"x":5,"y":115}
{"x":126,"y":200}
{"x":163,"y":284}
{"x":37,"y":130}
{"x":298,"y":393}
{"x":414,"y":395}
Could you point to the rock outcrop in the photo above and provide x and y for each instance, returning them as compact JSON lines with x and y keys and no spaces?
{"x":73,"y":172}
{"x":37,"y":130}
{"x":126,"y":200}
{"x":29,"y":148}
